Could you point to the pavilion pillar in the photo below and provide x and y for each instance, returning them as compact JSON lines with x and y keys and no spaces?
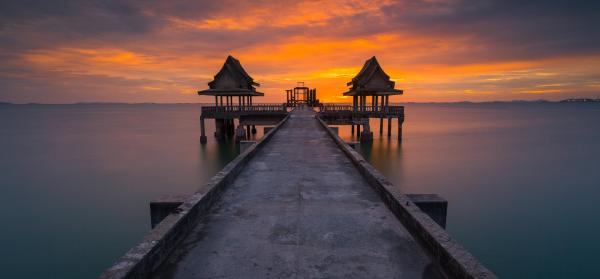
{"x":373,"y":102}
{"x":363,"y":105}
{"x":380,"y":110}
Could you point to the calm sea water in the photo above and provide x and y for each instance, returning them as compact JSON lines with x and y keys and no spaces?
{"x":522,"y":180}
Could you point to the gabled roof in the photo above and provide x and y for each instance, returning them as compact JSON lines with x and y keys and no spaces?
{"x":232,"y":80}
{"x":372,"y":80}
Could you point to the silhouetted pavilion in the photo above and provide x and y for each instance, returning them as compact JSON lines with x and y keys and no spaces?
{"x":230,"y":82}
{"x":374,"y":82}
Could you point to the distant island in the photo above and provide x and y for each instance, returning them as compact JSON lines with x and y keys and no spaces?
{"x":581,"y":100}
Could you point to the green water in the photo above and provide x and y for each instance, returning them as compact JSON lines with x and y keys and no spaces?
{"x":522,"y":180}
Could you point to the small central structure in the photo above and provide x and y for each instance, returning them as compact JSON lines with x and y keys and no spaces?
{"x":301,"y":95}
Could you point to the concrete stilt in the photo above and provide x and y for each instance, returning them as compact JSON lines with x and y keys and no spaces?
{"x":400,"y":128}
{"x":230,"y":128}
{"x":219,"y":128}
{"x":366,"y":135}
{"x":389,"y":122}
{"x":240,"y":133}
{"x":202,"y":131}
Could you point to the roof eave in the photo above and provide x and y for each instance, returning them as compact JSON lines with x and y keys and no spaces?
{"x":383,"y":92}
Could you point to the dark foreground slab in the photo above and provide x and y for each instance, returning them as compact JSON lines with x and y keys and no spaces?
{"x":299,"y":209}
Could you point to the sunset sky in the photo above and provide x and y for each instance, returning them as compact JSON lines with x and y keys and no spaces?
{"x":165,"y":51}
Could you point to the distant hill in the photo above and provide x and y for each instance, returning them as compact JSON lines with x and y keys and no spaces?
{"x":581,"y":100}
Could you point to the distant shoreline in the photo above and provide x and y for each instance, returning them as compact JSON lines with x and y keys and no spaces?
{"x":573,"y":100}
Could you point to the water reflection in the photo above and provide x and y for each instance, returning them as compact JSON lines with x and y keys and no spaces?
{"x":521,"y":180}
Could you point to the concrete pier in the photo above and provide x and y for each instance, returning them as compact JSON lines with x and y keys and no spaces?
{"x":299,"y":203}
{"x":300,"y":212}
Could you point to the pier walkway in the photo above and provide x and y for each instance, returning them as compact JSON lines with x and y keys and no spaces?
{"x":299,"y":209}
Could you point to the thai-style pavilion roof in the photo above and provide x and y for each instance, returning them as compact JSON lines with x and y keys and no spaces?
{"x":372,"y":80}
{"x":232,"y":80}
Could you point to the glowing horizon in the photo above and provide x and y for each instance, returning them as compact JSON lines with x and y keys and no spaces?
{"x":435,"y":50}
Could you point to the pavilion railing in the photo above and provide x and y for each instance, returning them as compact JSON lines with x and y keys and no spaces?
{"x":367,"y":109}
{"x":211,"y":111}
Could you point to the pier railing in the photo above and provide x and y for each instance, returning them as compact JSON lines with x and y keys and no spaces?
{"x":237,"y":110}
{"x":373,"y":111}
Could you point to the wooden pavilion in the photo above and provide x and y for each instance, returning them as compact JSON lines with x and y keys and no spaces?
{"x":230,"y":83}
{"x":372,"y":81}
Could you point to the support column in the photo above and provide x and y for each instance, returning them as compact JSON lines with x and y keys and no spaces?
{"x":248,"y":131}
{"x":400,"y":128}
{"x":202,"y":131}
{"x":366,"y":135}
{"x":352,"y":131}
{"x":358,"y":130}
{"x":253,"y":129}
{"x":373,"y":102}
{"x":363,"y":103}
{"x":240,"y":133}
{"x":389,"y":122}
{"x":219,"y":128}
{"x":381,"y":125}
